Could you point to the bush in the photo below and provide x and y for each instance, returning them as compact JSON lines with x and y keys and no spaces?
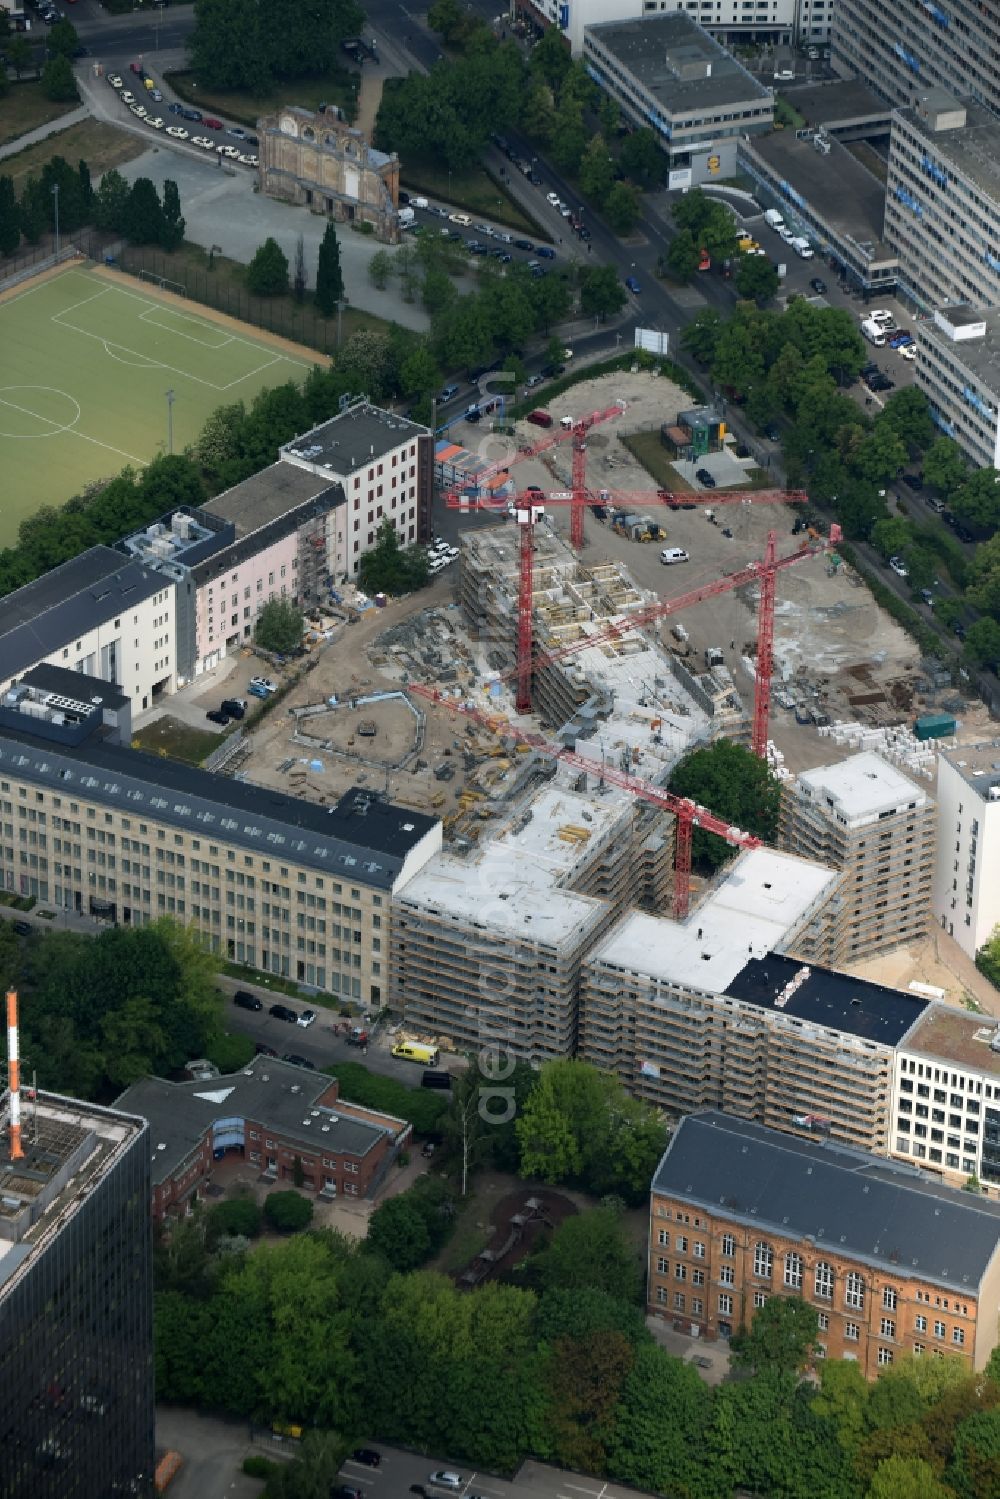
{"x":267,"y":273}
{"x":279,"y":626}
{"x":288,"y":1212}
{"x":230,"y":1052}
{"x":238,"y":1218}
{"x":409,"y":1229}
{"x":421,"y":1107}
{"x":259,"y":1467}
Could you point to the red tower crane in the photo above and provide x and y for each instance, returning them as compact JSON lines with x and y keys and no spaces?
{"x":688,"y":813}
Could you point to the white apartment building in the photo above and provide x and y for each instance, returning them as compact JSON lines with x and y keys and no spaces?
{"x":958,"y":369}
{"x":779,"y":21}
{"x":386,"y":467}
{"x":100,"y":614}
{"x":966,"y":898}
{"x":946,"y":1097}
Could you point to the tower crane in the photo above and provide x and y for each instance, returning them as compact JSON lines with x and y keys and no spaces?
{"x":689,"y":814}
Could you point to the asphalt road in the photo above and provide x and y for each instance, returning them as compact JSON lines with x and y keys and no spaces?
{"x":532,"y":1481}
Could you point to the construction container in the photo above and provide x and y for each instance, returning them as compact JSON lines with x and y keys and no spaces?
{"x":935,"y":726}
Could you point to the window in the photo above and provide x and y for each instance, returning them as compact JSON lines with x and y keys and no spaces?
{"x":678,"y":1301}
{"x":852,"y":1331}
{"x":759,"y":1299}
{"x":888,"y":1328}
{"x":822,"y":1321}
{"x":682,"y":1244}
{"x":663,"y":1239}
{"x":698,"y":1249}
{"x":885,"y":1356}
{"x":726,"y":1305}
{"x":680,"y":1272}
{"x":824,"y":1280}
{"x":921,"y":1324}
{"x":793,"y":1271}
{"x":763,"y":1260}
{"x":889,"y":1299}
{"x":854,"y":1290}
{"x":728,"y":1246}
{"x":662,"y":1266}
{"x":939,"y":1329}
{"x":958,"y":1336}
{"x":661,"y":1295}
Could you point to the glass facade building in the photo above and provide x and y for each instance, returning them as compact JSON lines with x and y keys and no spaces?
{"x":76,"y":1317}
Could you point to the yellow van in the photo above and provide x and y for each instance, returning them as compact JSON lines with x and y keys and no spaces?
{"x":413,"y":1051}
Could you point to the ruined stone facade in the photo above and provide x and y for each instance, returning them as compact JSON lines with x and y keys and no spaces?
{"x":316,"y":159}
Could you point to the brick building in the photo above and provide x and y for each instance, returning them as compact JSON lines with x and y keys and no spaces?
{"x":282,"y":1119}
{"x":894,"y":1263}
{"x":314,"y":159}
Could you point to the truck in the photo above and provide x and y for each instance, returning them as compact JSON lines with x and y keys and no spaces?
{"x":713,"y":657}
{"x":873,"y":333}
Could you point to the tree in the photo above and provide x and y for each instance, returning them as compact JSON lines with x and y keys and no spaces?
{"x":975,"y":1466}
{"x":111,"y":204}
{"x":240,"y":1217}
{"x":585,"y":1378}
{"x":58,"y":82}
{"x":173,"y":222}
{"x":329,"y":276}
{"x":19,"y":54}
{"x":550,"y":58}
{"x":267,"y":273}
{"x":658,"y":1434}
{"x":945,"y":469}
{"x":419,"y":373}
{"x":86,"y":188}
{"x":682,"y":257}
{"x":397,"y":1231}
{"x":299,"y":276}
{"x":735,"y":785}
{"x":982,"y":642}
{"x":641,"y":158}
{"x":449,"y":20}
{"x":578,"y":1124}
{"x":977,"y":501}
{"x":700,"y":337}
{"x":144,"y":214}
{"x":591,"y":1250}
{"x":601,"y":292}
{"x":906,"y":1478}
{"x":380,"y":269}
{"x":132,"y":1037}
{"x":10,"y":217}
{"x":908,"y":413}
{"x":757,"y":277}
{"x":279,"y":626}
{"x":236,"y":45}
{"x":288,"y":1212}
{"x":781,"y":1337}
{"x":621,"y":208}
{"x":890,"y":536}
{"x":597,"y":170}
{"x":62,"y":39}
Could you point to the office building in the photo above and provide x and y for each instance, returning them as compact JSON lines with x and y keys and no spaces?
{"x":731,"y":1010}
{"x":901,"y":49}
{"x":100,"y":614}
{"x":668,"y":74}
{"x":385,"y":465}
{"x":826,"y":195}
{"x":894,"y":1265}
{"x":287,"y":1123}
{"x":942,"y":200}
{"x":946,"y":1097}
{"x":966,"y":892}
{"x":76,"y":1303}
{"x":268,"y":537}
{"x":958,"y":369}
{"x":781,"y":22}
{"x":868,"y":819}
{"x":264,"y":879}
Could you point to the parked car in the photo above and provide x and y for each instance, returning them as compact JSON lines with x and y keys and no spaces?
{"x":215,"y":715}
{"x":191,"y":114}
{"x":212,"y":123}
{"x":882,"y":316}
{"x":633,"y":285}
{"x":306,"y":1019}
{"x":244,"y":1000}
{"x":367,"y":1455}
{"x":448,"y":394}
{"x":262,"y":1049}
{"x":444,"y":1478}
{"x":427,"y":1150}
{"x":297,"y":1061}
{"x":236,"y":707}
{"x":283,"y":1012}
{"x":539,"y":418}
{"x":818,"y":285}
{"x":23,"y":928}
{"x":705,"y":478}
{"x":899,"y":567}
{"x":265,"y":683}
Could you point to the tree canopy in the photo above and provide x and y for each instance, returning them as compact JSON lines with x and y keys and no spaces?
{"x":733,"y":783}
{"x":390,"y":567}
{"x":245,"y":44}
{"x":279,"y":626}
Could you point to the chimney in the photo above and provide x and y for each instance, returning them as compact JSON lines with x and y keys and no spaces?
{"x":14,"y":1078}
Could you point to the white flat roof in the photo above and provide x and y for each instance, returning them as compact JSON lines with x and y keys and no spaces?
{"x":861,"y":787}
{"x":511,"y":884}
{"x":765,"y":895}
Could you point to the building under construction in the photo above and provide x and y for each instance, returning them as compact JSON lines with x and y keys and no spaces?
{"x":869,"y":820}
{"x":76,"y":1299}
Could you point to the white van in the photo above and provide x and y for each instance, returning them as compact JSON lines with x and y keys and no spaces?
{"x":774,"y":218}
{"x":670,"y":555}
{"x":873,"y":333}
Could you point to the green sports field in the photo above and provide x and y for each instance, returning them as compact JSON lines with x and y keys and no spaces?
{"x":86,"y":361}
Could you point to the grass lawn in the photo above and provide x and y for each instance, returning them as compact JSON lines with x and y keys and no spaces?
{"x":224,"y":287}
{"x":25,"y":108}
{"x":474,"y":191}
{"x":177,"y":740}
{"x":339,"y":87}
{"x":86,"y":357}
{"x":100,"y":146}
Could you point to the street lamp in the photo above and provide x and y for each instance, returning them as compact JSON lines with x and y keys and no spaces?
{"x":55,"y":200}
{"x":170,"y":421}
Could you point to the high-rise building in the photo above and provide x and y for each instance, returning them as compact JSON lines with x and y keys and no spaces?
{"x":868,"y":819}
{"x":76,"y":1304}
{"x":902,"y":49}
{"x":966,"y":897}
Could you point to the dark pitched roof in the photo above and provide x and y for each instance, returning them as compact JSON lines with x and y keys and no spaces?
{"x":360,"y":839}
{"x":279,"y":1095}
{"x":61,"y":605}
{"x":73,"y":684}
{"x":824,"y":997}
{"x":881,"y":1212}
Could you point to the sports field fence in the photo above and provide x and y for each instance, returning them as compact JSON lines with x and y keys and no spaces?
{"x":298,"y":321}
{"x":93,"y":244}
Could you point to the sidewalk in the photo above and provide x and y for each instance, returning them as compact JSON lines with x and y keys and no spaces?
{"x":32,"y":137}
